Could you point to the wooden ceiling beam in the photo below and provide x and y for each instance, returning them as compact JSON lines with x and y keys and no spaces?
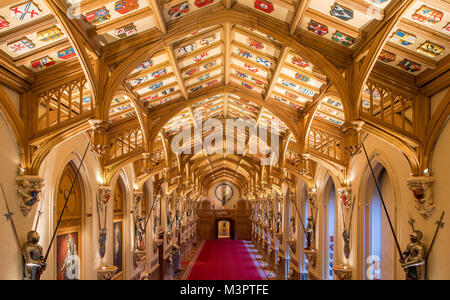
{"x":411,"y":55}
{"x":277,"y":71}
{"x":332,"y":22}
{"x":364,"y":7}
{"x":288,"y":4}
{"x":425,"y":32}
{"x":27,"y":28}
{"x":90,"y":5}
{"x":78,"y":44}
{"x":23,"y":72}
{"x":41,"y":52}
{"x":227,"y":52}
{"x":122,"y":21}
{"x":158,"y":15}
{"x":228,"y":3}
{"x":363,"y":48}
{"x":299,"y":15}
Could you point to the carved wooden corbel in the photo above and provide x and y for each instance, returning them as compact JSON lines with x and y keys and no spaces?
{"x":352,"y":131}
{"x":99,"y":138}
{"x":422,"y":188}
{"x":29,"y":188}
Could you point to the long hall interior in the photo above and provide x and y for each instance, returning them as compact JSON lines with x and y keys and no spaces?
{"x":224,"y":139}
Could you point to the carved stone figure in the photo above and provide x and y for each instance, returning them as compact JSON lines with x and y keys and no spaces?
{"x":105,"y":194}
{"x":34,"y":263}
{"x":413,"y":258}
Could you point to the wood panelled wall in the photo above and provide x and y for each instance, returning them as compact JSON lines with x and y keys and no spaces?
{"x":208,"y":220}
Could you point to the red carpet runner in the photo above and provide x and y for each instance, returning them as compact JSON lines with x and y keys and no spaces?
{"x":225,"y":260}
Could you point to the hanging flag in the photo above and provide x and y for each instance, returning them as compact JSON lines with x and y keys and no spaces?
{"x":341,"y":12}
{"x":21,"y":46}
{"x":428,"y":15}
{"x":125,"y":6}
{"x":317,"y":28}
{"x":50,"y":34}
{"x":43,"y":63}
{"x":431,"y":49}
{"x":343,"y":39}
{"x":386,"y":56}
{"x":201,"y":3}
{"x":66,"y":53}
{"x":3,"y":23}
{"x":179,"y":10}
{"x":264,"y":6}
{"x":126,"y":31}
{"x":97,"y":16}
{"x":26,"y":11}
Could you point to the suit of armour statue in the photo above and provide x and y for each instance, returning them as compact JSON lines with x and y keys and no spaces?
{"x":33,"y":256}
{"x":414,"y":262}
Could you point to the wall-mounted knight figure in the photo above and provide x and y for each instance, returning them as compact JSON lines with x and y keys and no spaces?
{"x":34,"y":262}
{"x":310,"y":234}
{"x":139,"y":233}
{"x":29,"y":188}
{"x":278,"y":221}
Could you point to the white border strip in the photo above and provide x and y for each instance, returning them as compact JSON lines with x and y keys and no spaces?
{"x":258,"y":266}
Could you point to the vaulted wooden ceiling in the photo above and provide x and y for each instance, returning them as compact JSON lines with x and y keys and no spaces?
{"x":33,"y":40}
